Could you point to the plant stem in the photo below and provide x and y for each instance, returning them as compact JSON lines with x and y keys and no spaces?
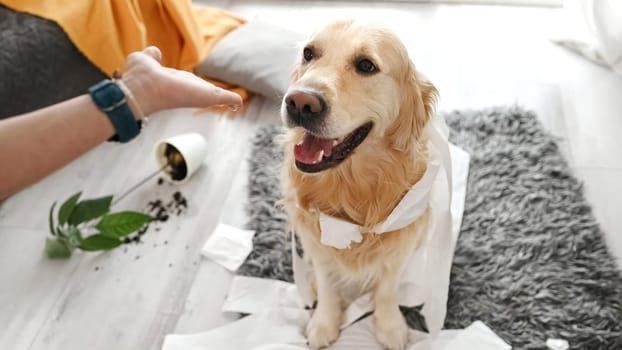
{"x":140,"y":183}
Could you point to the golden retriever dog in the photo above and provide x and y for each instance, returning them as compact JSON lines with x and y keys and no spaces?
{"x":354,"y":145}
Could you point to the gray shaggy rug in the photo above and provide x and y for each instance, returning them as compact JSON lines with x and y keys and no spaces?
{"x":531,"y":260}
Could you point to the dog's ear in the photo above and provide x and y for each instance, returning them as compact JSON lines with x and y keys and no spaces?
{"x":418,"y":104}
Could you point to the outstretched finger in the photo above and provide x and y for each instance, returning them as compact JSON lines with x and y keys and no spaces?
{"x":204,"y":94}
{"x":224,"y":97}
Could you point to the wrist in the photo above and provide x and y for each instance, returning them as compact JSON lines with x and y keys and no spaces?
{"x":132,"y":103}
{"x":140,"y":96}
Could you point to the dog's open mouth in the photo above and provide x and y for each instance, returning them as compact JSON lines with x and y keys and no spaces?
{"x":314,"y":154}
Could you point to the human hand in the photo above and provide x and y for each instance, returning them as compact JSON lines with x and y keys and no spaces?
{"x":156,"y":87}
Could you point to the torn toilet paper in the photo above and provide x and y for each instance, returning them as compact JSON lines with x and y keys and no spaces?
{"x":277,"y":322}
{"x":229,"y":246}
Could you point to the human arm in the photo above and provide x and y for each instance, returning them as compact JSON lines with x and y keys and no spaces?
{"x":36,"y":144}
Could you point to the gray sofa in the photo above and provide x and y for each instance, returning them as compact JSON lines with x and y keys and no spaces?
{"x":39,"y":65}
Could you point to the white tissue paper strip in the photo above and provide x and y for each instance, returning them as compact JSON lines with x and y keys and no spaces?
{"x":250,"y":295}
{"x":340,"y":234}
{"x":348,"y":233}
{"x":228,"y":246}
{"x":272,"y":328}
{"x":459,"y":175}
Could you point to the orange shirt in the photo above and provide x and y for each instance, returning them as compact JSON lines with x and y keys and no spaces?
{"x":106,"y":31}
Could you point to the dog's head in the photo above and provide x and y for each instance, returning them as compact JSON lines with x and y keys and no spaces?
{"x":354,"y":85}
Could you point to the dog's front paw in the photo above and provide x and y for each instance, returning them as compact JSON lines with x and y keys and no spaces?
{"x":323,"y":329}
{"x":391,"y":330}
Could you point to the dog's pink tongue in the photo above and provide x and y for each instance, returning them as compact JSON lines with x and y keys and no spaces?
{"x":309,"y":151}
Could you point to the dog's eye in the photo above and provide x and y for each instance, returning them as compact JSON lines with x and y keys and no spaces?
{"x":365,"y":66}
{"x":307,"y":54}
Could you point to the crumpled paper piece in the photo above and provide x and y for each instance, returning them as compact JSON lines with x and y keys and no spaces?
{"x":272,"y":328}
{"x":229,"y":246}
{"x":557,"y":344}
{"x":250,"y":295}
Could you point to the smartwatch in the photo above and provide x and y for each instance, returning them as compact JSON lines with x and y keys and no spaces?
{"x":111,"y":100}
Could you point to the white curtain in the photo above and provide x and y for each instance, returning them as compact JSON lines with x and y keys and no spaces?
{"x":593,"y":28}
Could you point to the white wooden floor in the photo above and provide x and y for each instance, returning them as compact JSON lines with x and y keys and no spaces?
{"x":130,"y":298}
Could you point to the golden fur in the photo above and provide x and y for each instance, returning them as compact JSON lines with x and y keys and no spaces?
{"x":365,"y":187}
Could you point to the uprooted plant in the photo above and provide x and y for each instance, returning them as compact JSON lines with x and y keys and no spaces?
{"x":89,"y":225}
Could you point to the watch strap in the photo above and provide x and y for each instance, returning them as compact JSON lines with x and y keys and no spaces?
{"x":112,"y":101}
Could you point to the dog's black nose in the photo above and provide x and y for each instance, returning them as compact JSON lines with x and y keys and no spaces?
{"x":305,"y":107}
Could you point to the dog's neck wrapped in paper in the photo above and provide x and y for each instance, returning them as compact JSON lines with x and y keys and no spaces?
{"x":340,"y":234}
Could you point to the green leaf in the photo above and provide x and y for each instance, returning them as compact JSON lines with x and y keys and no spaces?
{"x":90,"y":209}
{"x":99,"y":242}
{"x":55,"y":249}
{"x":67,"y":208}
{"x":51,"y":219}
{"x":122,"y":223}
